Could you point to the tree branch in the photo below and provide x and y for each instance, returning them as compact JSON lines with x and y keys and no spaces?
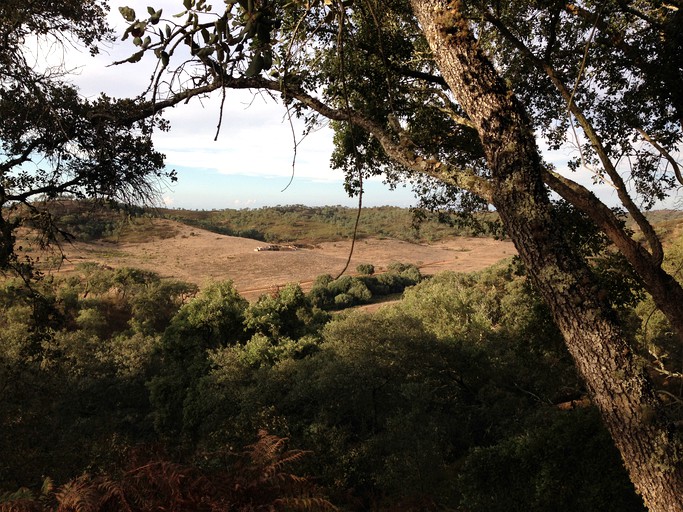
{"x":573,"y":108}
{"x":664,"y":153}
{"x":451,"y":175}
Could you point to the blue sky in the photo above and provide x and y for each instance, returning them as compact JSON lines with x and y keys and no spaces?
{"x":250,"y":163}
{"x":206,"y":189}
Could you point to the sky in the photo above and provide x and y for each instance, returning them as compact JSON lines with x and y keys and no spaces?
{"x":250,"y":163}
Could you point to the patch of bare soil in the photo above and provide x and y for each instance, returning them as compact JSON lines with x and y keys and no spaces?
{"x":199,"y":256}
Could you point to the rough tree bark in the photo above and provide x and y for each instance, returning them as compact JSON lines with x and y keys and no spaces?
{"x":634,"y":416}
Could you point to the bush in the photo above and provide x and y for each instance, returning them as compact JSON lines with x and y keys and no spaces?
{"x":321,"y":297}
{"x":343,"y":300}
{"x":347,"y":291}
{"x":360,"y":293}
{"x":366,"y":269}
{"x":532,"y":472}
{"x":288,"y":313}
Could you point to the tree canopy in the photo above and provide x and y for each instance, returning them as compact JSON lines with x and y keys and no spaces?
{"x":53,"y":142}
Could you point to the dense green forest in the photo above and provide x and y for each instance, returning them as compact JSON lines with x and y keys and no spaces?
{"x":117,"y":386}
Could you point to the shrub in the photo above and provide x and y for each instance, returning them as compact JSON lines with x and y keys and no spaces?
{"x":343,"y":300}
{"x":289,"y":313}
{"x":366,"y":269}
{"x":359,"y":291}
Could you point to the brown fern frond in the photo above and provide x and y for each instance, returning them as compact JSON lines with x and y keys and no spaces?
{"x":266,"y":449}
{"x":268,"y":459}
{"x":79,"y":495}
{"x":20,"y":504}
{"x":266,"y":484}
{"x":47,"y":487}
{"x":163,"y":485}
{"x":112,"y":496}
{"x":304,"y":504}
{"x":291,"y":457}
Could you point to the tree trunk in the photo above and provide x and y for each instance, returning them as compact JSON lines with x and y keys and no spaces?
{"x":650,"y":448}
{"x":666,"y":292}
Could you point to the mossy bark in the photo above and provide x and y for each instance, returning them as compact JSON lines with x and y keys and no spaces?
{"x":649,"y":446}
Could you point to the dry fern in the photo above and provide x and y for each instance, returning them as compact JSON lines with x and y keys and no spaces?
{"x":259,"y":481}
{"x":266,"y":484}
{"x":79,"y":495}
{"x":23,"y":499}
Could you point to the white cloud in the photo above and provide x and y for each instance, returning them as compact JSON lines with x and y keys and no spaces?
{"x":255,"y":137}
{"x":252,"y":141}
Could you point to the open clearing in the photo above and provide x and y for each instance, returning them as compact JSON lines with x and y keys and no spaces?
{"x":197,"y":256}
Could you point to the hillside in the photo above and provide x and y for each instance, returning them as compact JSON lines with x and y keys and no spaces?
{"x":313,"y":224}
{"x":175,"y":250}
{"x":199,"y":246}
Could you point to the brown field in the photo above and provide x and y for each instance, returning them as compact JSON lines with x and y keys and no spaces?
{"x":175,"y":250}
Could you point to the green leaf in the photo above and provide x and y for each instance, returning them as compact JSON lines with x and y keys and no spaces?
{"x":205,"y":52}
{"x":164,"y":58}
{"x":127,"y":13}
{"x":136,"y":57}
{"x":255,"y":66}
{"x":188,"y":4}
{"x":151,"y":11}
{"x":154,"y":19}
{"x":267,"y":59}
{"x":221,"y":25}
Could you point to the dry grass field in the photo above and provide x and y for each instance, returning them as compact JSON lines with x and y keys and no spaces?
{"x":175,"y":250}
